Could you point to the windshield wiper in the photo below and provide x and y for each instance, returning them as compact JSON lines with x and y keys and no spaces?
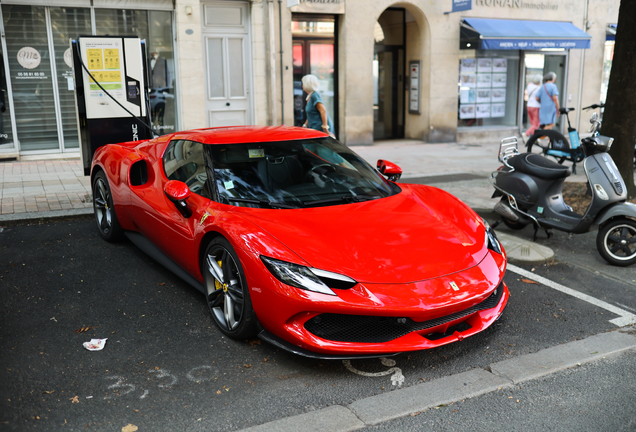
{"x":343,"y":199}
{"x":272,"y":204}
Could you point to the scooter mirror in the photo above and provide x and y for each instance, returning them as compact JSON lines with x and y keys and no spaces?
{"x":594,"y":117}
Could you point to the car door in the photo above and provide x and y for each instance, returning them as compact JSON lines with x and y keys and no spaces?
{"x":158,"y":219}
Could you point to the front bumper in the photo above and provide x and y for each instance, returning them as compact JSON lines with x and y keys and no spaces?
{"x":408,"y":317}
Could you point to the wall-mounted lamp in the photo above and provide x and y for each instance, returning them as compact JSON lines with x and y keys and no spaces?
{"x":188,"y":10}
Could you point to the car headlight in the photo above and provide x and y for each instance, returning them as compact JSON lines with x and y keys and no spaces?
{"x":307,"y":278}
{"x":491,"y":238}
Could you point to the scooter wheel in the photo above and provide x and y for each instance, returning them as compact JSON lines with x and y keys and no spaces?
{"x":514,"y":225}
{"x":616,"y":242}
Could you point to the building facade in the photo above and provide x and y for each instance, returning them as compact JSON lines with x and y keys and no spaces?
{"x":387,"y":69}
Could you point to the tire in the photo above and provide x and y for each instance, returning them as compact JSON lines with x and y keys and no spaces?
{"x":227,"y":293}
{"x":513,"y":225}
{"x":540,"y":144}
{"x":104,"y":210}
{"x":535,"y":145}
{"x":616,"y":242}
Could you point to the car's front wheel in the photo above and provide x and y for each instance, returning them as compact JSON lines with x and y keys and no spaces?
{"x":227,"y":293}
{"x":105,"y":217}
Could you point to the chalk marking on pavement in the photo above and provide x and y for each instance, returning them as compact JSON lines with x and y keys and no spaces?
{"x":625,"y":318}
{"x":397,"y":379}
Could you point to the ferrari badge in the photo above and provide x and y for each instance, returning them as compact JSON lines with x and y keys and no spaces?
{"x":454,"y":286}
{"x":204,"y":217}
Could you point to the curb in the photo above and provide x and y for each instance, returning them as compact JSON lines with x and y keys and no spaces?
{"x":420,"y":397}
{"x":17,"y":218}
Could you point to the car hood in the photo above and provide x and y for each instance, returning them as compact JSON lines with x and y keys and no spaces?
{"x":418,"y":234}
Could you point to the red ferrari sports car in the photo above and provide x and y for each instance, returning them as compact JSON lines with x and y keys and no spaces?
{"x":293,"y":237}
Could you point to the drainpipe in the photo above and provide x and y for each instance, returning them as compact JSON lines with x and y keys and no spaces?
{"x":580,"y":98}
{"x":280,"y":34}
{"x":271,"y":57}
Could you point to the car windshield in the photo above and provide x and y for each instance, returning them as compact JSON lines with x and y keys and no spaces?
{"x":294,"y":174}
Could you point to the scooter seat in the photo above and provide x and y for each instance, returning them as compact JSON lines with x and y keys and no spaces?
{"x":539,"y":166}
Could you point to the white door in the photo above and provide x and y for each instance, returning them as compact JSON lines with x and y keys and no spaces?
{"x":227,"y":63}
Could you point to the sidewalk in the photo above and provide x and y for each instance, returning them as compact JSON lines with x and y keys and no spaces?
{"x":29,"y":189}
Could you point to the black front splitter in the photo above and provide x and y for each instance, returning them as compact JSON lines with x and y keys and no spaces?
{"x":283,"y":344}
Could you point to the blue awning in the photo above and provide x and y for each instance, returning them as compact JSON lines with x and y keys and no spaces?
{"x":503,"y":34}
{"x":610,"y":32}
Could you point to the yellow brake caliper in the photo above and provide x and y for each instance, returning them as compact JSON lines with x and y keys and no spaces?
{"x":218,"y":285}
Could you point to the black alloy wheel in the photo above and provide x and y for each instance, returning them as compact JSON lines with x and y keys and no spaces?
{"x":616,"y":242}
{"x":227,"y":293}
{"x":105,"y":217}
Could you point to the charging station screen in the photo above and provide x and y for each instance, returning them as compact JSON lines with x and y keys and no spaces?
{"x":112,"y":62}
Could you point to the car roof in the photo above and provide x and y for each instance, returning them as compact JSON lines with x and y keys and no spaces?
{"x":247,"y":134}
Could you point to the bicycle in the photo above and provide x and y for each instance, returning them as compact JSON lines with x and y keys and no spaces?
{"x":550,"y":142}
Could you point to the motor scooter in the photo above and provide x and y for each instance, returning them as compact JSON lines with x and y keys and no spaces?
{"x":530,"y":187}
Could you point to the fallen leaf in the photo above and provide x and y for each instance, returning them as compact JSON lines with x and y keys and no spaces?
{"x":246,"y":366}
{"x":74,"y":399}
{"x":84,"y":329}
{"x":49,"y":392}
{"x":129,"y":428}
{"x":161,"y":283}
{"x":530,"y":281}
{"x":255,"y":342}
{"x":265,"y":360}
{"x":218,"y":392}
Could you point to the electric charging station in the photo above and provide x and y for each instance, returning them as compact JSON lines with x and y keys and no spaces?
{"x":111,"y":96}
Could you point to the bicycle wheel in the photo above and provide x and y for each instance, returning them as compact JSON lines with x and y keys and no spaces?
{"x":538,"y":144}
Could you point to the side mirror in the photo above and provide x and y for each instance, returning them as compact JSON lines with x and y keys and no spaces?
{"x":390,"y":170}
{"x":594,"y":117}
{"x":178,"y":192}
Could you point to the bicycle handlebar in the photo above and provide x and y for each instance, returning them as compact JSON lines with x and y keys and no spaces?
{"x":594,"y":106}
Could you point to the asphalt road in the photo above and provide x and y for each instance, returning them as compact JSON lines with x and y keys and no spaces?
{"x":166,"y":367}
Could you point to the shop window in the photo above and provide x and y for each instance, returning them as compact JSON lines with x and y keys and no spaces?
{"x":6,"y":133}
{"x":488,"y":89}
{"x":608,"y":56}
{"x":67,"y":23}
{"x":156,"y":28}
{"x":30,"y":75}
{"x":314,"y":52}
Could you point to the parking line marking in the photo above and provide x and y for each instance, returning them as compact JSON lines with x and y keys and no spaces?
{"x":625,"y":318}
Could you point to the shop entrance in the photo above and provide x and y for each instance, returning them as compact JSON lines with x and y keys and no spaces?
{"x":388,"y":75}
{"x":314,"y":52}
{"x":537,"y":65}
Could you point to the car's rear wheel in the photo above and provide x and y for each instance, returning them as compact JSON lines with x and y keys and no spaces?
{"x":227,"y":293}
{"x":105,"y":217}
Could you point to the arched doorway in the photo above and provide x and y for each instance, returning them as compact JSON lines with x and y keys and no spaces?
{"x":388,"y":74}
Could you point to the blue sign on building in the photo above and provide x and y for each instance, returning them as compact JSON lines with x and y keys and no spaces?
{"x":462,"y":5}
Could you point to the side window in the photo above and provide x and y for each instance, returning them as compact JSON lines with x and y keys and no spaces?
{"x":184,"y":161}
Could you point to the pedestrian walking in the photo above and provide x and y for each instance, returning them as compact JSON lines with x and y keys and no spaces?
{"x":548,"y":96}
{"x":533,"y":105}
{"x":317,"y":115}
